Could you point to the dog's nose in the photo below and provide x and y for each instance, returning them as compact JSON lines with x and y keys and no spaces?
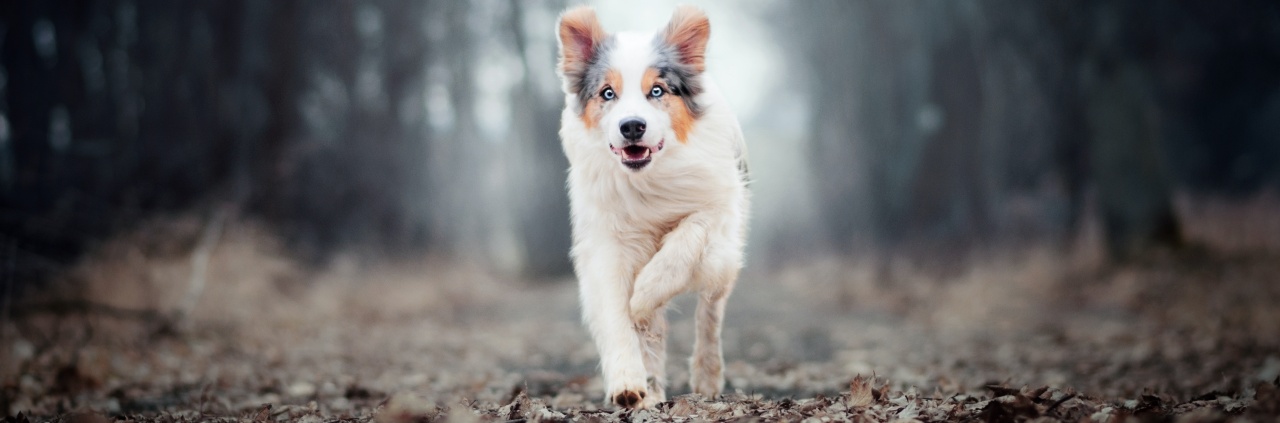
{"x":633,"y":129}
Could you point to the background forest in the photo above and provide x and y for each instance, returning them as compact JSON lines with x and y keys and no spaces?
{"x":431,"y":125}
{"x":1065,"y":209}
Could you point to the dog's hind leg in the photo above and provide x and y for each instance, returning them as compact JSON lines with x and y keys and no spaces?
{"x":706,"y":367}
{"x":653,"y":344}
{"x":714,"y":278}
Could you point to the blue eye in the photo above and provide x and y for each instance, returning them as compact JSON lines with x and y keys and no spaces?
{"x":608,"y":94}
{"x":656,"y":92}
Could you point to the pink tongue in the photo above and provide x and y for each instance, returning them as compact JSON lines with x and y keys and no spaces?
{"x":637,"y":155}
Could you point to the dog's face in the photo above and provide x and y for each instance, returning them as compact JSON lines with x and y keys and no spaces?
{"x":635,"y":93}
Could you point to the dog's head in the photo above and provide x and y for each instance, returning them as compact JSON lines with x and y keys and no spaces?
{"x":635,"y":93}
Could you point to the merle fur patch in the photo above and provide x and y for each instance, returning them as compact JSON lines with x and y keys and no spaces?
{"x":585,"y":81}
{"x":683,"y":79}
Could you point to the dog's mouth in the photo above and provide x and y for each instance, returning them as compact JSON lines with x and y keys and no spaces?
{"x":636,"y":156}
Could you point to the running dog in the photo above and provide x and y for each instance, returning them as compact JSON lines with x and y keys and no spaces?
{"x":658,"y":192}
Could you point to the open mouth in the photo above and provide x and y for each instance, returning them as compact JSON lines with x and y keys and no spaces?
{"x":637,"y":156}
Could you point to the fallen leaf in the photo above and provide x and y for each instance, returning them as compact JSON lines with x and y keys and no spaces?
{"x":860,"y":392}
{"x":682,"y":408}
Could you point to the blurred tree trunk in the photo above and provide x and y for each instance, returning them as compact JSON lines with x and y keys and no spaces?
{"x":278,"y":75}
{"x":1134,"y":198}
{"x":539,"y":166}
{"x":29,"y":101}
{"x":406,"y":55}
{"x":458,"y":159}
{"x":27,"y":105}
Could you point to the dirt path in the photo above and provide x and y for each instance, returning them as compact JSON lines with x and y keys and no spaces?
{"x":1197,"y":337}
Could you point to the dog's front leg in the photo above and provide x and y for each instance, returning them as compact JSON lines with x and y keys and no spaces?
{"x":605,"y":289}
{"x":669,"y":271}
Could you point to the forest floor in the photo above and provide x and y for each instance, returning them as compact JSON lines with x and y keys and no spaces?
{"x":1186,"y":336}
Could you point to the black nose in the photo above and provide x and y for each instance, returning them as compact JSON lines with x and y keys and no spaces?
{"x":633,"y":129}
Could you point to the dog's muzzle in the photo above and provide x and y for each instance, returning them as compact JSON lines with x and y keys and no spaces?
{"x":634,"y":153}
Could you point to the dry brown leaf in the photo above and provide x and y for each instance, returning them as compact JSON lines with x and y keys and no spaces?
{"x":681,"y":408}
{"x":860,"y":392}
{"x":263,"y":413}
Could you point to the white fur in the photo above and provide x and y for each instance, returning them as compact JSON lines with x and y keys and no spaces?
{"x":632,"y":54}
{"x":643,"y":237}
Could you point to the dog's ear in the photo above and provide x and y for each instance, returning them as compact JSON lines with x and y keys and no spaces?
{"x":688,"y":32}
{"x":580,"y":35}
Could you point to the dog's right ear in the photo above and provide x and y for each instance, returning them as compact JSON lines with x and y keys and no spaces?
{"x":580,"y":36}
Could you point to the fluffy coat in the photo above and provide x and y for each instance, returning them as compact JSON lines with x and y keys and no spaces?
{"x":657,"y":215}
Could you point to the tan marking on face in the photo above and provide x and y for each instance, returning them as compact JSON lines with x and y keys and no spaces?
{"x":613,"y":79}
{"x":681,"y":117}
{"x":594,"y":109}
{"x":649,"y":79}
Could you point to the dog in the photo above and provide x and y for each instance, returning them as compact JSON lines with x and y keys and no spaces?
{"x":658,"y":195}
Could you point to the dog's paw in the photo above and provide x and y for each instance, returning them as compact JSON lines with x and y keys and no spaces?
{"x":629,"y":398}
{"x":706,"y":379}
{"x":627,"y":388}
{"x":656,"y":395}
{"x":708,"y":388}
{"x":650,"y":402}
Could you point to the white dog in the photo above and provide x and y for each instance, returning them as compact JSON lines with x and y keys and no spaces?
{"x":657,"y":184}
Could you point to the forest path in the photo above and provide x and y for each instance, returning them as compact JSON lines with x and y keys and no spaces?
{"x":1002,"y":339}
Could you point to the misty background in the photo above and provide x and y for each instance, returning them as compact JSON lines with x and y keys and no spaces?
{"x":930,"y":130}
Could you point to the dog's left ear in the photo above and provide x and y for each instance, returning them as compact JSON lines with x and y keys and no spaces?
{"x":688,"y":32}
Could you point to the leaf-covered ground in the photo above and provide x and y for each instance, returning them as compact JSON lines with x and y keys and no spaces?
{"x":1187,"y":336}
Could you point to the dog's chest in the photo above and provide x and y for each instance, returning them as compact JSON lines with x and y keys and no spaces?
{"x":652,"y":201}
{"x":651,"y":204}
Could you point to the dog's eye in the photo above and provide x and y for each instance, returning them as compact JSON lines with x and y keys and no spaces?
{"x":608,"y":94}
{"x":656,"y":92}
